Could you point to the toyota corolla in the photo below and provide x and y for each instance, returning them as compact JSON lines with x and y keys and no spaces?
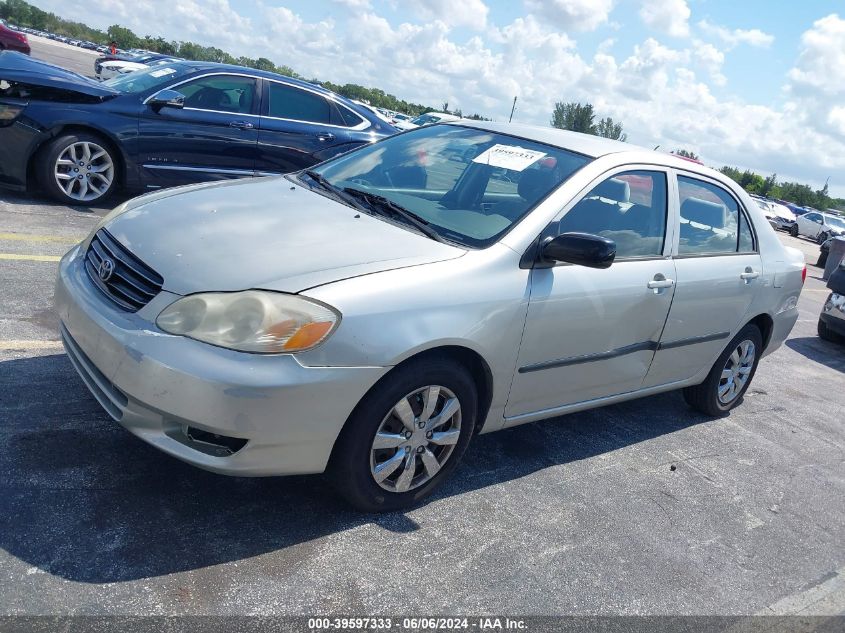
{"x":369,"y":316}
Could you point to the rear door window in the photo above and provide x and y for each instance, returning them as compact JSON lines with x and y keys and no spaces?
{"x":711,"y":221}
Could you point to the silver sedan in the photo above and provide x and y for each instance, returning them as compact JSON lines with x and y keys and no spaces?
{"x":370,"y":316}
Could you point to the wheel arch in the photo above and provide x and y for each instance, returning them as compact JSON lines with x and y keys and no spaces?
{"x":766,"y":324}
{"x":478,"y":368}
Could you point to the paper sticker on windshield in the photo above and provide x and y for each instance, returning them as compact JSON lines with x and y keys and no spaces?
{"x":161,"y":72}
{"x":510,"y":157}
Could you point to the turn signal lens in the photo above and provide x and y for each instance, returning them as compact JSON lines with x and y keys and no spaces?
{"x":804,"y":274}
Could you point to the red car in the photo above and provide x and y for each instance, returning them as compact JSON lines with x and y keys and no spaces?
{"x":12,"y":40}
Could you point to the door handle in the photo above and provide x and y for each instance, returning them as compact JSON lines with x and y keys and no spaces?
{"x":658,"y":284}
{"x":325,"y":136}
{"x":749,"y":274}
{"x":241,"y":125}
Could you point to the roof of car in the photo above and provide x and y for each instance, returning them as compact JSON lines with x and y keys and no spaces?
{"x":199,"y":65}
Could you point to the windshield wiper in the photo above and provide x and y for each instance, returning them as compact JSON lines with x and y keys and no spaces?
{"x":338,"y":194}
{"x":388,"y":207}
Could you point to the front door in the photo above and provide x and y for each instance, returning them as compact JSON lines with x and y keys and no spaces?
{"x":214,"y":136}
{"x":719,"y":272}
{"x":593,"y":333}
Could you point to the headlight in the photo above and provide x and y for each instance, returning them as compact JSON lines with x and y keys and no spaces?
{"x":251,"y":321}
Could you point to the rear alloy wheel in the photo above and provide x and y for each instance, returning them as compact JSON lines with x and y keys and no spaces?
{"x":793,"y":230}
{"x":730,"y":376}
{"x":79,"y":169}
{"x":405,"y":436}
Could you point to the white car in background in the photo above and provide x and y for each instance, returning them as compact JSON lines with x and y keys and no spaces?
{"x":818,"y":226}
{"x":116,"y":67}
{"x":426,"y":119}
{"x":778,"y":215}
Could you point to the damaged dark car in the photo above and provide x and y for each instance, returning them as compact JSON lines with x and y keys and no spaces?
{"x":80,"y":140}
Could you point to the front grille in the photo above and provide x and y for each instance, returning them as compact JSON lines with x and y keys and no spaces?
{"x":131,"y":283}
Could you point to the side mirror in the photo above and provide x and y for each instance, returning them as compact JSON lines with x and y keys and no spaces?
{"x":583,"y":249}
{"x":167,"y":98}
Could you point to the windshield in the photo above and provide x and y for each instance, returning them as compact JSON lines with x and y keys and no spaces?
{"x":148,"y":78}
{"x":425,"y":119}
{"x":836,"y":222}
{"x":470,"y":186}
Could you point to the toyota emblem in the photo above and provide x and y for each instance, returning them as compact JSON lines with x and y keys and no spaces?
{"x":105,"y":270}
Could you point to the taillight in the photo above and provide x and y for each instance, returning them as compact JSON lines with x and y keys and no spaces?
{"x":804,"y":274}
{"x":20,"y":37}
{"x":9,"y":112}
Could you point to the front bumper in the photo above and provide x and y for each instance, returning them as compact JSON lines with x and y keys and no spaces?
{"x":783,"y":224}
{"x":833,"y":317}
{"x":159,"y":386}
{"x":16,"y":145}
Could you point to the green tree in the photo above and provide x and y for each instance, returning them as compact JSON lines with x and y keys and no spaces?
{"x":576,"y":117}
{"x":685,"y":154}
{"x":608,"y":129}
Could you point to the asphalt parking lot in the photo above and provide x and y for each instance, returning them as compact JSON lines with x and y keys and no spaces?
{"x":579,"y":515}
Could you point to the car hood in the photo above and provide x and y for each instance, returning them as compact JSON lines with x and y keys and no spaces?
{"x":265,"y":233}
{"x":22,"y":69}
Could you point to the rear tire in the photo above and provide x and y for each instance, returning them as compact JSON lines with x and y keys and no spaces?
{"x":720,"y":392}
{"x":357,"y":462}
{"x":793,"y":230}
{"x":822,"y":238}
{"x":78,"y":169}
{"x":829,"y":335}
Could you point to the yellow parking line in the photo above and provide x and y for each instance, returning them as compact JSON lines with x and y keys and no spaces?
{"x":23,"y":237}
{"x":7,"y":345}
{"x":30,"y":258}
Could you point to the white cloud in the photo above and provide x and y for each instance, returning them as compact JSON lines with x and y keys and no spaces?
{"x":667,"y":16}
{"x":576,"y":15}
{"x":711,"y":59}
{"x":752,"y":37}
{"x":469,"y":13}
{"x":358,"y":5}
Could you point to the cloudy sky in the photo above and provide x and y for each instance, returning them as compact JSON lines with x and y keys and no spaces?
{"x":752,"y":83}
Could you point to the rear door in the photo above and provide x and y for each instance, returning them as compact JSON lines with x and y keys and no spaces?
{"x":719,"y":272}
{"x":301,"y":127}
{"x":214,"y":136}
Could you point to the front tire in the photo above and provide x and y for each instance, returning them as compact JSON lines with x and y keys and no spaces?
{"x":406,"y":436}
{"x":730,"y":375}
{"x":78,"y":169}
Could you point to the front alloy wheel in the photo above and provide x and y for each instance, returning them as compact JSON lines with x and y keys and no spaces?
{"x":78,"y":169}
{"x":405,"y":436}
{"x":416,"y":439}
{"x":84,"y":171}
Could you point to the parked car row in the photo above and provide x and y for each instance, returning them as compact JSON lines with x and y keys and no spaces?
{"x":62,"y":38}
{"x":779,"y":215}
{"x":110,"y":66}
